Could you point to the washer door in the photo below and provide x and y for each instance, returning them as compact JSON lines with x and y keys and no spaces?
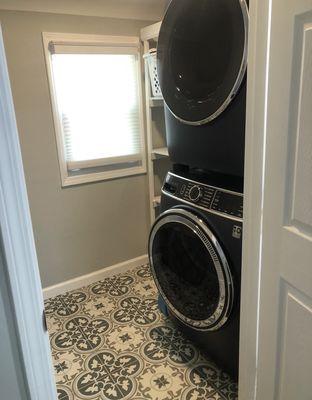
{"x":202,"y":53}
{"x":190,"y":270}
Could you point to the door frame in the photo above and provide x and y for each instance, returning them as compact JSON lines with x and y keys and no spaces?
{"x":21,"y":263}
{"x":257,"y":95}
{"x":19,"y":246}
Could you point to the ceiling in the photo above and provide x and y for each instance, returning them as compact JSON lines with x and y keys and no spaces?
{"x":149,"y":10}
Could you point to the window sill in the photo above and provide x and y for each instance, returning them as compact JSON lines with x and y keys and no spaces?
{"x":101,"y":176}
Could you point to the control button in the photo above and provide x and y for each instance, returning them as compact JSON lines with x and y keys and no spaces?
{"x":195,"y":193}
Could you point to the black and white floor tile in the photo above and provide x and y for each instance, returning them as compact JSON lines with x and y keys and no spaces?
{"x":109,"y":341}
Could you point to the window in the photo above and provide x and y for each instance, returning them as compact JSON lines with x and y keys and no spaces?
{"x":95,"y":86}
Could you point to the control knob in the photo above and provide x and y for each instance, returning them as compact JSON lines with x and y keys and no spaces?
{"x":195,"y":193}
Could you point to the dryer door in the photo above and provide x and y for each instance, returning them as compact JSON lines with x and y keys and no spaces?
{"x":190,"y":270}
{"x":202,"y":53}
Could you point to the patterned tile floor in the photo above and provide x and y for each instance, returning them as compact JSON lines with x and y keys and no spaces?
{"x":110,"y":342}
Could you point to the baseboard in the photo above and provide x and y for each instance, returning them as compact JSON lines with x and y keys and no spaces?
{"x":96,"y":276}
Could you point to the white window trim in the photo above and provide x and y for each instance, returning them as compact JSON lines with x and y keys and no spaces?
{"x":114,"y":42}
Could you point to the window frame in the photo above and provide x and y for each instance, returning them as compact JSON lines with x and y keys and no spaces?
{"x":114,"y":43}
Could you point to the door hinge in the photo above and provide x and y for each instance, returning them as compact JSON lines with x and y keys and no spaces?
{"x":44,"y":321}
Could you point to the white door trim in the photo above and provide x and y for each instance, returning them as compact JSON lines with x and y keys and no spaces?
{"x":19,"y":251}
{"x":257,"y":89}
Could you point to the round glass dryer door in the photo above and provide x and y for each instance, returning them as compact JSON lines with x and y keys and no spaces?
{"x":191,"y":270}
{"x":202,"y":57}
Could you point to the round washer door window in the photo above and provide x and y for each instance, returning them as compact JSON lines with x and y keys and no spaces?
{"x":202,"y":53}
{"x":191,"y":270}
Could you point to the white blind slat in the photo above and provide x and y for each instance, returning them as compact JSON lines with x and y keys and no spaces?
{"x":73,"y":165}
{"x":91,"y":49}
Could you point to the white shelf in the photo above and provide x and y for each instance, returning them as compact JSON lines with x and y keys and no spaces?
{"x":154,"y":113}
{"x":159,"y":153}
{"x":156,"y":102}
{"x":156,"y":201}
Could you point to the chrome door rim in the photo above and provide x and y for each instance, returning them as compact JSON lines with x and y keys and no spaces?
{"x":237,"y":83}
{"x":226,"y":298}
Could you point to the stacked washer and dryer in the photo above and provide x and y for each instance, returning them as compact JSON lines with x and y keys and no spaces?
{"x":195,"y":244}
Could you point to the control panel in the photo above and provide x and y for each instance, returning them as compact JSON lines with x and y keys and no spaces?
{"x":210,"y":198}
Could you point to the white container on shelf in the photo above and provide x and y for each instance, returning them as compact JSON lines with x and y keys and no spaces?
{"x":151,"y":60}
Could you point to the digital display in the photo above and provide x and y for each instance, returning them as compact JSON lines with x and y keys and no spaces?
{"x":228,"y":203}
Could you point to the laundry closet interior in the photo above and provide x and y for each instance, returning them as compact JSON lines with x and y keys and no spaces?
{"x":131,"y":119}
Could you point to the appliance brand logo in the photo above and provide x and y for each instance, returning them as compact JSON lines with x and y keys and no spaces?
{"x":237,"y":232}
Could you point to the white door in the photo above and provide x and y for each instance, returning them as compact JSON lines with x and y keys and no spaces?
{"x":284,"y":360}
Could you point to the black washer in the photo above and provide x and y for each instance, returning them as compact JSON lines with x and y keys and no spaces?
{"x":195,"y":256}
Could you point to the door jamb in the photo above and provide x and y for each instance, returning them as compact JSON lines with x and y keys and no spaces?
{"x":257,"y":94}
{"x":20,"y":252}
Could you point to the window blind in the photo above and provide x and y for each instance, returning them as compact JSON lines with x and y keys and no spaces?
{"x":98,"y":105}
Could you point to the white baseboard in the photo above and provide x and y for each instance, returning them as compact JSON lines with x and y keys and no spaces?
{"x":96,"y":276}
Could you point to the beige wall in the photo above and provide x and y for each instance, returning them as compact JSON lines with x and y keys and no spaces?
{"x":84,"y":228}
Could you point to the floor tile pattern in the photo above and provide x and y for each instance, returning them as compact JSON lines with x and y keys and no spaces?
{"x":110,"y":342}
